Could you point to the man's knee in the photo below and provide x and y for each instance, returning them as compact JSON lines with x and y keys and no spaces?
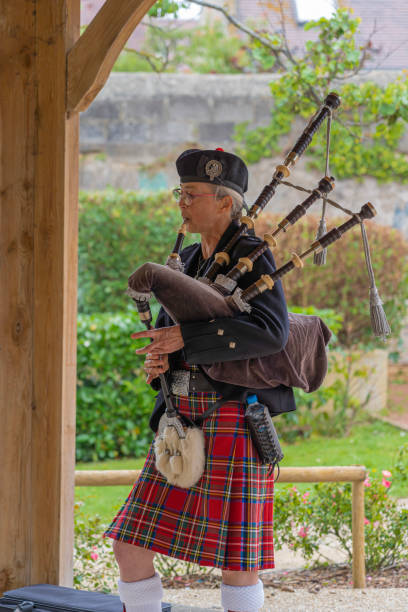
{"x":239,"y":578}
{"x":135,"y":562}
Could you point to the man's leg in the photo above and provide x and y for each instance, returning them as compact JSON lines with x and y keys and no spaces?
{"x":140,"y":587}
{"x":241,"y":591}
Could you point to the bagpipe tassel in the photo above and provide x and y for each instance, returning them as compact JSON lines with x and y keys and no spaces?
{"x":379,"y":321}
{"x":378,"y":318}
{"x":319,"y":259}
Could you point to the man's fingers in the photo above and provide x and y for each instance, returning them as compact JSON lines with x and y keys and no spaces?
{"x":153,"y":373}
{"x":154,"y":362}
{"x":144,"y":349}
{"x":155,"y":348}
{"x":146,"y":333}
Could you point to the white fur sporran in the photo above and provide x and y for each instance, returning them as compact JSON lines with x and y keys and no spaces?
{"x":180,"y":452}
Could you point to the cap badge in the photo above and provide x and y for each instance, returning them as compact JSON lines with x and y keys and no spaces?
{"x":213,"y":168}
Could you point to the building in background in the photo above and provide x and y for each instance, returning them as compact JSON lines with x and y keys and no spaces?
{"x":385,"y":22}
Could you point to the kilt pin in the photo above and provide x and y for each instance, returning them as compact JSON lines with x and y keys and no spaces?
{"x":226,"y":519}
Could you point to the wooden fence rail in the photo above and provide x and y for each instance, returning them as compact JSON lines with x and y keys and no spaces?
{"x":356,"y":474}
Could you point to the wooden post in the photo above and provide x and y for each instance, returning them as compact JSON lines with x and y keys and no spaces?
{"x":359,"y":578}
{"x":38,"y":267}
{"x":38,"y":258}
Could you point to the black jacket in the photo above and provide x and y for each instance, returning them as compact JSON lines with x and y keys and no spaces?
{"x":262,"y":332}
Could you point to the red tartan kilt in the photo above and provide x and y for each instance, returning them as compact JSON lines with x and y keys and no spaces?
{"x":226,"y":519}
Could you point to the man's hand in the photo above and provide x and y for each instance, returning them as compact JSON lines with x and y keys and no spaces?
{"x":155,"y":365}
{"x":165,"y":340}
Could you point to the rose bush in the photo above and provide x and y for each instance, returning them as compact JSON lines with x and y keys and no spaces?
{"x":303,"y":521}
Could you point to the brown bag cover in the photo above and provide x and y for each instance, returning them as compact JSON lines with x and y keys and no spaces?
{"x":302,"y":363}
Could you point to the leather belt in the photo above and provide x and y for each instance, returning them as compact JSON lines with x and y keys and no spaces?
{"x":184,"y":382}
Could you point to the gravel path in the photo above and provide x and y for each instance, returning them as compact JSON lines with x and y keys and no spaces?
{"x":327,"y":600}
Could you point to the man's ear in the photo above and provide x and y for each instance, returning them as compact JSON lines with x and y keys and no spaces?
{"x":226,"y":202}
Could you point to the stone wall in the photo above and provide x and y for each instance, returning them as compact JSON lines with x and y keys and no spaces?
{"x":139,"y":123}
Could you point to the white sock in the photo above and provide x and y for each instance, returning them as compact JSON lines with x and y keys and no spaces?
{"x":143,"y":595}
{"x":242,"y":598}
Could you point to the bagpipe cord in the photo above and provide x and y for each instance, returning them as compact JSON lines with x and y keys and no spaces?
{"x":319,"y":259}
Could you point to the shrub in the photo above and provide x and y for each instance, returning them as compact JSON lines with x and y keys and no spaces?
{"x":372,"y":118}
{"x":94,"y":562}
{"x":304,"y":520}
{"x":342,"y":284}
{"x":204,"y":49}
{"x":113,"y":401}
{"x":118,"y":231}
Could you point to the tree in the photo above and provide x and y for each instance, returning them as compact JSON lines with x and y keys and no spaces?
{"x":371,"y":120}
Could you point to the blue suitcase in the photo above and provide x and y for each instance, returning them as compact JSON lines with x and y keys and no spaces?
{"x":52,"y":598}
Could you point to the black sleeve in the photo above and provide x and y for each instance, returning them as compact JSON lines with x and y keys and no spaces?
{"x":262,"y":332}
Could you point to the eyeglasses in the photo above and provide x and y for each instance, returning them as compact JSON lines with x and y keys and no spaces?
{"x":187,"y":197}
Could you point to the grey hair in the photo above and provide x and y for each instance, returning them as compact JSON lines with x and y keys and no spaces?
{"x":237,"y":199}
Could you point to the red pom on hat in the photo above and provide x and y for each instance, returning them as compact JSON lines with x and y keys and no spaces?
{"x":219,"y":149}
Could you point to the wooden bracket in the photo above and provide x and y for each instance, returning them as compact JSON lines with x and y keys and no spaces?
{"x":90,"y":60}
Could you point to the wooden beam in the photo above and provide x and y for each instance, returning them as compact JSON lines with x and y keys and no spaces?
{"x":91,"y":59}
{"x":351,"y":473}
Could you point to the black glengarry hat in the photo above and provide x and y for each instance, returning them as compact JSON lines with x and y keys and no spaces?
{"x":214,"y":166}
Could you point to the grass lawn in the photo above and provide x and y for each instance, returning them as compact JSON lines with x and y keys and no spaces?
{"x":373,"y":445}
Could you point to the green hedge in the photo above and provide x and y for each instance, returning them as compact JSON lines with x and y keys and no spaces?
{"x":118,"y":231}
{"x":343,"y":284}
{"x":113,"y":401}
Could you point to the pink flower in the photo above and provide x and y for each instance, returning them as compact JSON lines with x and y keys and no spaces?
{"x":386,"y":483}
{"x":305,"y":496}
{"x":376,"y":524}
{"x":387,"y":474}
{"x":367,"y":482}
{"x":302,"y":533}
{"x":366,"y":521}
{"x":94,"y":556}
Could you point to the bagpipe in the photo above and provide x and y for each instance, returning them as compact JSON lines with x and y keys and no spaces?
{"x":303,"y":361}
